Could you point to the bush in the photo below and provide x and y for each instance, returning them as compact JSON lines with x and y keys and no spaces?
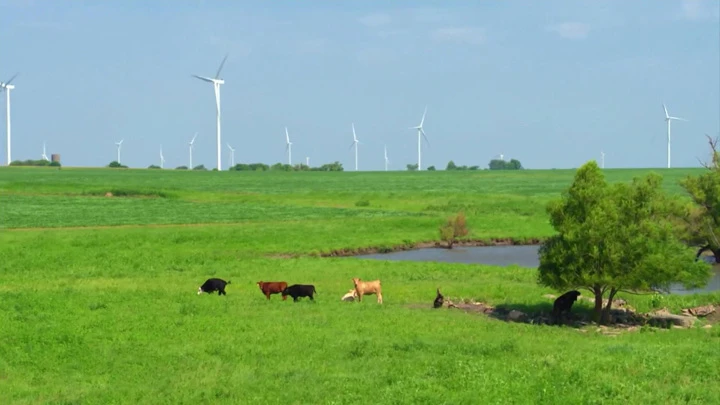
{"x":454,"y":228}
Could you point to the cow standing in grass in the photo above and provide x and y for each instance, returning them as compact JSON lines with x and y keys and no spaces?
{"x":299,"y":290}
{"x":272,"y":287}
{"x":368,"y":288}
{"x":564,"y":303}
{"x":213,"y":284}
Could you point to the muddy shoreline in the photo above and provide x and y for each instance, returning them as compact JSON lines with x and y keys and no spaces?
{"x":346,"y":252}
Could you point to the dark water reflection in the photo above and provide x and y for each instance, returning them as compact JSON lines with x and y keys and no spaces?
{"x":523,"y":256}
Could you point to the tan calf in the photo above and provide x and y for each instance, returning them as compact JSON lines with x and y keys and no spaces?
{"x":369,"y":288}
{"x":350,"y":296}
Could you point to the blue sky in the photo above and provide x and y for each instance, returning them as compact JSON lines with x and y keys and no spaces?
{"x":550,"y":83}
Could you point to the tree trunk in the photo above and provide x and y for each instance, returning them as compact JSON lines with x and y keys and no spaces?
{"x":606,"y":311}
{"x":450,"y":243}
{"x":598,"y":292}
{"x":716,"y":253}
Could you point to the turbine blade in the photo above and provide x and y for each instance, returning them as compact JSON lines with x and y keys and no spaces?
{"x":217,"y":75}
{"x":666,"y":112}
{"x":423,"y":134}
{"x":423,"y":118}
{"x":203,"y":78}
{"x":353,"y":128}
{"x":351,"y":145}
{"x":11,"y":79}
{"x":677,"y":118}
{"x":287,"y":135}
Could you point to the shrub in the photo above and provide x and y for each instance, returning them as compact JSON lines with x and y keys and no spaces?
{"x":454,"y":228}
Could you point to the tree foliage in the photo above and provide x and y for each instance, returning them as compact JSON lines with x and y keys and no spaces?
{"x":615,"y":238}
{"x":117,"y":165}
{"x":498,"y":164}
{"x":30,"y":162}
{"x":702,"y":218}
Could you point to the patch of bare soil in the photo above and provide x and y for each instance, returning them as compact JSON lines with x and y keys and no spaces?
{"x":420,"y":245}
{"x":623,"y":318}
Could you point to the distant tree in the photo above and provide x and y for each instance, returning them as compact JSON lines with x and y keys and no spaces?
{"x":181,"y":168}
{"x":451,"y":166}
{"x":702,"y":216}
{"x":153,"y":167}
{"x":473,"y":167}
{"x":412,"y":167}
{"x":54,"y":164}
{"x":115,"y":164}
{"x":301,"y":167}
{"x":454,"y":227}
{"x":199,"y":167}
{"x":331,"y":167}
{"x":431,"y":168}
{"x":498,"y":164}
{"x":613,"y":238}
{"x":30,"y":162}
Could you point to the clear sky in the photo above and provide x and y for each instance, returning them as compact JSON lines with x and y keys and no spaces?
{"x":550,"y":82}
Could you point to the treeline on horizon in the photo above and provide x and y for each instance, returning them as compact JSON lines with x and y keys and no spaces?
{"x":495,"y":164}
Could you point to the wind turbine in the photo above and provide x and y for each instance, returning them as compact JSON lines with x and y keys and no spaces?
{"x":119,"y":145}
{"x":216,"y":86}
{"x":355,"y":144}
{"x":669,"y":118}
{"x":232,"y":155}
{"x":191,"y":144}
{"x":501,"y":156}
{"x":7,"y":87}
{"x":162,"y":159}
{"x":44,"y":155}
{"x":307,"y":161}
{"x":602,"y":159}
{"x":288,"y":146}
{"x":421,"y":132}
{"x":386,"y":159}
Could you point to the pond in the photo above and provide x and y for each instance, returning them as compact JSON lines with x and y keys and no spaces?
{"x":520,"y":255}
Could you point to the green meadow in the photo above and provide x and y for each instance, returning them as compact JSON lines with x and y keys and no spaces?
{"x":98,"y":300}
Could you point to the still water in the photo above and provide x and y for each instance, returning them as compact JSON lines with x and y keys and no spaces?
{"x":520,"y":255}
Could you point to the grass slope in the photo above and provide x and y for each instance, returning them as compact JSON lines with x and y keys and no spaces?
{"x":96,"y":313}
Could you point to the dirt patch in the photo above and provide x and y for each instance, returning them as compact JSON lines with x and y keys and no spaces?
{"x":414,"y":245}
{"x":622,"y":319}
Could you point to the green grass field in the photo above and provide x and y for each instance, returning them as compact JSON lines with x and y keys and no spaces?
{"x":98,"y":300}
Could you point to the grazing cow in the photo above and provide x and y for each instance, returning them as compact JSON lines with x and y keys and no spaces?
{"x":368,"y":287}
{"x":299,"y":290}
{"x":213,"y":284}
{"x":438,"y":300}
{"x":565,"y":302}
{"x":350,"y":296}
{"x":272,"y":287}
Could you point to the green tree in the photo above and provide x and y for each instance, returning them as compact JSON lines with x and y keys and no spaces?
{"x":454,"y":227}
{"x":702,"y":217}
{"x":412,"y":167}
{"x":115,"y":164}
{"x":614,"y":238}
{"x":431,"y":168}
{"x":153,"y":167}
{"x":451,"y":166}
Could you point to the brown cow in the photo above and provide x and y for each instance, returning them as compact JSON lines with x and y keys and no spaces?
{"x":368,"y":287}
{"x":272,"y":287}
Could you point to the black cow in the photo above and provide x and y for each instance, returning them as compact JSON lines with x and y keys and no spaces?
{"x":299,"y":290}
{"x":565,"y":302}
{"x":213,"y":284}
{"x":438,"y":300}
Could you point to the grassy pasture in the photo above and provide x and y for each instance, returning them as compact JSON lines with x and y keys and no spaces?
{"x":98,"y":303}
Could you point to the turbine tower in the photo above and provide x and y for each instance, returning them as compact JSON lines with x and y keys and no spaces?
{"x":355,"y":144}
{"x":420,"y":133}
{"x":7,"y":87}
{"x":602,"y":159}
{"x":307,"y":161}
{"x":232,"y":155}
{"x":669,"y":118}
{"x":386,"y":159}
{"x":191,"y":144}
{"x":217,"y":81}
{"x":162,"y":159}
{"x":44,"y":155}
{"x":288,"y":146}
{"x":119,"y":145}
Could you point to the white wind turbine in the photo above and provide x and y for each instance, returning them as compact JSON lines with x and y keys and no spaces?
{"x":191,"y":144}
{"x":119,"y":145}
{"x":386,"y":159}
{"x":162,"y":159}
{"x":421,"y":132}
{"x":288,"y":146}
{"x":668,"y":118}
{"x":44,"y":155}
{"x":7,"y":87}
{"x":602,"y":159}
{"x":307,"y":161}
{"x":355,"y":144}
{"x":232,"y":155}
{"x":216,"y":86}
